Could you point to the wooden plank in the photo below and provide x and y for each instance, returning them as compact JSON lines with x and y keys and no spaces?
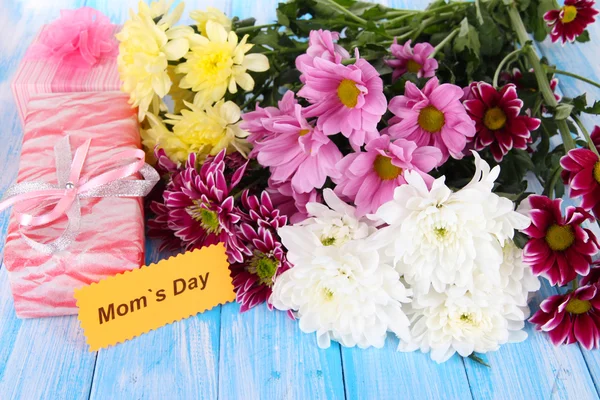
{"x":264,"y":355}
{"x":39,"y":358}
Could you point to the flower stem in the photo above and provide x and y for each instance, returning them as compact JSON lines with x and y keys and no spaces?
{"x":572,"y":75}
{"x":586,"y":134}
{"x":253,"y":28}
{"x":443,"y":43}
{"x":549,"y":189}
{"x":540,"y":73}
{"x":449,"y":6}
{"x":344,"y":10}
{"x":298,"y":49}
{"x":505,"y":61}
{"x":574,"y":284}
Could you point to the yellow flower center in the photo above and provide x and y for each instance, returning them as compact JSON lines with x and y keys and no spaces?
{"x":413,"y":66}
{"x":431,"y":119}
{"x":385,"y":169}
{"x":494,"y":119}
{"x":560,"y":237}
{"x":303,"y":132}
{"x":569,"y":13}
{"x":348,"y":93}
{"x":597,"y":172}
{"x":467,"y":318}
{"x":328,"y":294}
{"x":328,"y":241}
{"x":576,"y":306}
{"x":264,"y":266}
{"x":214,"y":61}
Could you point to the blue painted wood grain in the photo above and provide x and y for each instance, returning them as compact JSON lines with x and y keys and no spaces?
{"x":258,"y":354}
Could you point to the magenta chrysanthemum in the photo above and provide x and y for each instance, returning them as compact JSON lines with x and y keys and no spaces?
{"x":291,"y":203}
{"x":321,"y":45}
{"x":433,"y":116}
{"x":516,"y":77}
{"x":369,"y":178}
{"x":581,"y":171}
{"x":296,"y":151}
{"x":497,"y":121}
{"x":409,"y":59}
{"x":572,"y":317}
{"x":263,"y":254}
{"x":570,"y":20}
{"x":559,"y":248}
{"x":345,"y":98}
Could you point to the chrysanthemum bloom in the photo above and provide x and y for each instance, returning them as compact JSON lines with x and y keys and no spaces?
{"x":438,"y":237}
{"x":263,"y":255}
{"x":369,"y":178}
{"x":432,"y":117}
{"x":346,"y":293}
{"x":321,"y":45}
{"x":211,"y":14}
{"x":497,"y":121}
{"x":559,"y":248}
{"x":298,"y":152}
{"x":177,"y":93}
{"x":205,"y":130}
{"x":200,"y":205}
{"x":345,"y":98}
{"x":144,"y":51}
{"x":581,"y":171}
{"x":572,"y":317}
{"x":570,"y":20}
{"x":290,"y":202}
{"x":254,"y":121}
{"x":415,"y":60}
{"x":217,"y":62}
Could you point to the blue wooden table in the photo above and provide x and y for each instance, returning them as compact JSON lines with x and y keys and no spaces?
{"x":259,"y":354}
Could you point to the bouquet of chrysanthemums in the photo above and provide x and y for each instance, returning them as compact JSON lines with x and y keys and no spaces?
{"x":363,"y":165}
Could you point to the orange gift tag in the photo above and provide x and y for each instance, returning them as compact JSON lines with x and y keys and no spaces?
{"x":122,"y":307}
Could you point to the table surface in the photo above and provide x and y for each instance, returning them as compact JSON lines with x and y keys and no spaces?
{"x":259,"y":354}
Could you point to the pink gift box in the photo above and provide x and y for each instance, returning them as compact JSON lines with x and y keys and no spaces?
{"x":111,"y":237}
{"x":38,"y":76}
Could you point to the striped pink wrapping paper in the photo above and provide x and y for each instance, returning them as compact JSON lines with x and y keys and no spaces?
{"x":111,"y":238}
{"x":38,"y":77}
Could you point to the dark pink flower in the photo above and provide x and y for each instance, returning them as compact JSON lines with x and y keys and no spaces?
{"x":572,"y":317}
{"x":593,"y":277}
{"x":409,"y":59}
{"x":559,"y":248}
{"x":158,"y":228}
{"x":570,"y":20}
{"x":497,"y":121}
{"x":263,"y":255}
{"x":291,"y":203}
{"x":516,"y":77}
{"x":581,"y":171}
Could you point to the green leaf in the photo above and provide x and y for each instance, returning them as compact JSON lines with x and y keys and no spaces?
{"x":584,"y":37}
{"x":595,"y":109}
{"x":467,"y":39}
{"x":479,"y":360}
{"x":563,"y":111}
{"x":492,"y":40}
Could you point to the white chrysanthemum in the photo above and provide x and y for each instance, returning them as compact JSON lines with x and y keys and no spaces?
{"x":517,"y":279}
{"x":440,"y":236}
{"x":336,"y":223}
{"x":343,"y":293}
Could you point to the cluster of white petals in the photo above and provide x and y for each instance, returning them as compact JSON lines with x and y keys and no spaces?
{"x":455,"y":251}
{"x":341,"y":286}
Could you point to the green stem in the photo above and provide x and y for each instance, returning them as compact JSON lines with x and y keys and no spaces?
{"x":549,"y":189}
{"x":444,"y":42}
{"x":586,"y":134}
{"x":299,"y":49}
{"x":344,"y":10}
{"x":572,"y":75}
{"x":503,"y":62}
{"x":247,"y":29}
{"x":257,"y":93}
{"x":540,"y":74}
{"x":450,"y":6}
{"x":574,"y":284}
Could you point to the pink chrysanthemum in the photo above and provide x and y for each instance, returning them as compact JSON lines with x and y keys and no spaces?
{"x":572,"y":317}
{"x":559,"y":248}
{"x":581,"y":171}
{"x":570,"y":20}
{"x":291,"y":203}
{"x":321,"y":45}
{"x":158,"y":228}
{"x":415,"y":60}
{"x":369,"y":178}
{"x":497,"y":121}
{"x":433,"y":116}
{"x":345,"y":98}
{"x":297,"y":151}
{"x":253,"y":121}
{"x":200,"y":206}
{"x":263,"y":254}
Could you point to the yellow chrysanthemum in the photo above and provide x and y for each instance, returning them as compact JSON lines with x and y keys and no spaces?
{"x":205,"y":131}
{"x":144,"y":51}
{"x":178,"y":95}
{"x":218,"y":62}
{"x":211,"y":14}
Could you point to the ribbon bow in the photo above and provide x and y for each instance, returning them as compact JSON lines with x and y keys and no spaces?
{"x":63,"y":198}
